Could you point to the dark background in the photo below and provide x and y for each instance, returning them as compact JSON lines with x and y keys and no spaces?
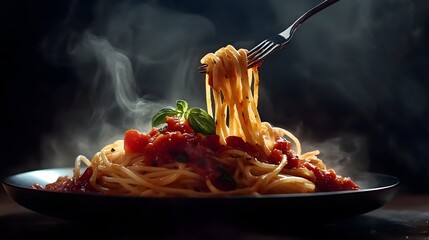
{"x":353,"y":82}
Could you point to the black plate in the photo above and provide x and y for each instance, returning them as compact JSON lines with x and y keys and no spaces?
{"x":376,"y":190}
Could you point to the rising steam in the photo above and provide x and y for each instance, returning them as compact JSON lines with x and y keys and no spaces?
{"x":137,"y":57}
{"x":131,"y":62}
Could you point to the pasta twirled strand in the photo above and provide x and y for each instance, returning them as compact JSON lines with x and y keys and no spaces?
{"x":245,"y":157}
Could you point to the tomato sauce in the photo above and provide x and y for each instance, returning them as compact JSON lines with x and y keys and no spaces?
{"x":177,"y":142}
{"x":67,"y":184}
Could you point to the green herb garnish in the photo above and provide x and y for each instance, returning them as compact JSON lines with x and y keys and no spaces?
{"x":199,"y":120}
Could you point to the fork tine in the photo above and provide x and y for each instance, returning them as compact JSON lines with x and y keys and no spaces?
{"x":267,"y":52}
{"x":268,"y":46}
{"x":254,"y":50}
{"x":202,"y":68}
{"x":263,"y":50}
{"x":257,"y":54}
{"x":262,"y":54}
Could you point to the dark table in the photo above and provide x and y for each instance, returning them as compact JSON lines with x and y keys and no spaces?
{"x":405,"y":217}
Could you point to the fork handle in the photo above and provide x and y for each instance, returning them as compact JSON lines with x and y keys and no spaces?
{"x":291,"y":30}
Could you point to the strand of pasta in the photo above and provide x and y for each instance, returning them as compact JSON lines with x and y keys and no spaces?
{"x":231,"y":87}
{"x":117,"y":178}
{"x":232,"y":93}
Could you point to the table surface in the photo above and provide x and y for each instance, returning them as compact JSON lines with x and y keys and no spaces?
{"x":406,"y":216}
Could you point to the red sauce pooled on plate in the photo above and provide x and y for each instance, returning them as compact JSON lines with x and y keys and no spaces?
{"x":67,"y":184}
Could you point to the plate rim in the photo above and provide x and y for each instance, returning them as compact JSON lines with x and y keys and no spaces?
{"x":319,"y":205}
{"x":6,"y":181}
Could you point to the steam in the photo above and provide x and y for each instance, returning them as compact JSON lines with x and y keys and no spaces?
{"x":346,"y":154}
{"x":334,"y":76}
{"x":134,"y":60}
{"x":343,"y":78}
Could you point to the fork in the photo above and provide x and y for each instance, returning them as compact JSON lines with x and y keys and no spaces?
{"x":268,"y":46}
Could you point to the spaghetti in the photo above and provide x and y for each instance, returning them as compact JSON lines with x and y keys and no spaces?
{"x":244,"y":156}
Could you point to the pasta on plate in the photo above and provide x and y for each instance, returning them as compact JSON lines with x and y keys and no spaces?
{"x":222,"y":151}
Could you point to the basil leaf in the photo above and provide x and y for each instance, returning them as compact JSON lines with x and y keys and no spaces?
{"x":160,"y":117}
{"x":182,"y":106}
{"x":200,"y":121}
